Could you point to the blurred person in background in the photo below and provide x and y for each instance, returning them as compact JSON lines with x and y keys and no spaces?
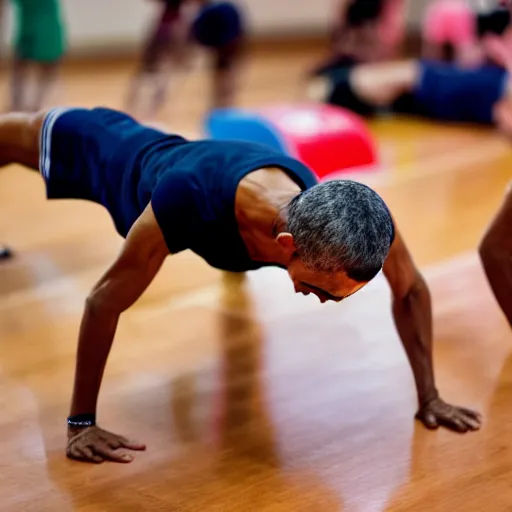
{"x":180,"y":26}
{"x":495,"y":29}
{"x":449,"y":32}
{"x":435,"y":90}
{"x":4,"y":251}
{"x":469,"y":33}
{"x":365,"y":31}
{"x":39,"y":44}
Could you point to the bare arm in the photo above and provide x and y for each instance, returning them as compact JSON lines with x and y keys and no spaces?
{"x":413,"y":318}
{"x":124,"y":282}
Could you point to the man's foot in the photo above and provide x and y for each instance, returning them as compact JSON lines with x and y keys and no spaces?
{"x":5,"y":252}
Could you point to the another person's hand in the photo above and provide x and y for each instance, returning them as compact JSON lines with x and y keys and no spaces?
{"x":93,"y":444}
{"x":438,"y":413}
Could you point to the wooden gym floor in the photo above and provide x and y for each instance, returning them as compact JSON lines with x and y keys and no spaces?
{"x":251,"y":398}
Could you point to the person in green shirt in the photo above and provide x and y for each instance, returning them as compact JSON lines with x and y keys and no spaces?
{"x":40,"y":42}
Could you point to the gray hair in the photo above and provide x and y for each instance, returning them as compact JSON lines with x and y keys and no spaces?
{"x":341,"y":225}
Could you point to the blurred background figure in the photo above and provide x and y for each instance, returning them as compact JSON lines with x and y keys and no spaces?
{"x":449,"y":32}
{"x":469,"y":33}
{"x":494,"y":27}
{"x":39,"y":45}
{"x":180,"y":26}
{"x":366,"y":31}
{"x":430,"y":89}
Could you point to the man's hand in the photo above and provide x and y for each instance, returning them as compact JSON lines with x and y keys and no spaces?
{"x":413,"y":317}
{"x":94,"y":444}
{"x":438,"y":413}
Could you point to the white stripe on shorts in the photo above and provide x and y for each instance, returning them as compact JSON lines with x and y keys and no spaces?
{"x":45,"y":140}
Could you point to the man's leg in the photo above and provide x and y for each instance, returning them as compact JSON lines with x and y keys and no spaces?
{"x":19,"y":143}
{"x":19,"y":138}
{"x":496,"y":255}
{"x":227,"y":64}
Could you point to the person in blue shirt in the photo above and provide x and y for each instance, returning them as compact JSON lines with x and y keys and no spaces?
{"x":218,"y":28}
{"x":434,"y":90}
{"x":238,"y":205}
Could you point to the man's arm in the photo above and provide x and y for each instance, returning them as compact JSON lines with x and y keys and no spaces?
{"x":413,"y":318}
{"x":124,"y":282}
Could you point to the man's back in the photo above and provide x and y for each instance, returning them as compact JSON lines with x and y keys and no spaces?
{"x":106,"y":157}
{"x":192,"y":188}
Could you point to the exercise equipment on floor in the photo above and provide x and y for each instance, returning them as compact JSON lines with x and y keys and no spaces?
{"x":326,"y":138}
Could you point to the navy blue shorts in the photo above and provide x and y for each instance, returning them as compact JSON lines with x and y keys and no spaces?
{"x":449,"y":93}
{"x":95,"y":155}
{"x":218,"y":25}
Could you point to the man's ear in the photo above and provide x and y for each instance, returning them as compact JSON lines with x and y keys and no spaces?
{"x":287,"y":243}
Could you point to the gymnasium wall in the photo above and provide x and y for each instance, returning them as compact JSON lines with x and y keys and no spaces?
{"x":97,"y":25}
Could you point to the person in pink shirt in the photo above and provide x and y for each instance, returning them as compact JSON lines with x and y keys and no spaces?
{"x":449,"y":32}
{"x":455,"y":32}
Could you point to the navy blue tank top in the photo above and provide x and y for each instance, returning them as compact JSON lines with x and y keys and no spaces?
{"x":105,"y":156}
{"x":192,"y":188}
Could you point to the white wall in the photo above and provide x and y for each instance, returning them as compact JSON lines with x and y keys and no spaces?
{"x":97,"y":24}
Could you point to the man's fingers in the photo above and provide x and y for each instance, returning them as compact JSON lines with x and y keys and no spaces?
{"x":107,"y":453}
{"x":428,"y":419}
{"x":114,"y":443}
{"x":122,"y":442}
{"x":90,"y":455}
{"x":97,"y":445}
{"x":131,"y":444}
{"x":472,"y":423}
{"x":458,"y":419}
{"x":73,"y":453}
{"x":454,"y":423}
{"x":472,"y":414}
{"x":83,"y":453}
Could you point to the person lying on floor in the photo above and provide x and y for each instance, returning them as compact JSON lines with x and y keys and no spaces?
{"x":433,"y":90}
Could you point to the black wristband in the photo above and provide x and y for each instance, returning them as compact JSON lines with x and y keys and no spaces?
{"x":82,"y":421}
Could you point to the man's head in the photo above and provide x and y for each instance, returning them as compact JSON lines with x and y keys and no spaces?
{"x":336,"y":238}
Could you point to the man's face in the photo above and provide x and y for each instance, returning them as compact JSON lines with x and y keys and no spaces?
{"x":334,"y":286}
